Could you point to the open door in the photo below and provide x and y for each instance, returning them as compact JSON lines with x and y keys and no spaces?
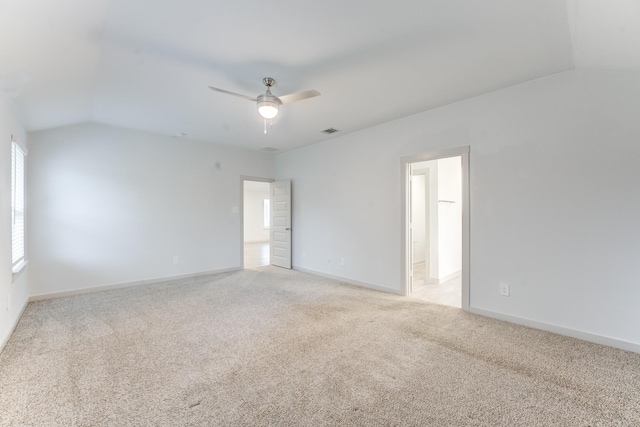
{"x":281,"y":224}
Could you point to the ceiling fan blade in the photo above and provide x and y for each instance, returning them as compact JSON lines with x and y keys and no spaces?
{"x":233,"y":93}
{"x":286,"y":99}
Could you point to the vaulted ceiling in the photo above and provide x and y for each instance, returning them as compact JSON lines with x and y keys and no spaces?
{"x":146,"y":64}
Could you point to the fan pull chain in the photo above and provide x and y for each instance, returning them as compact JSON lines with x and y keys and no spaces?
{"x":265,"y":125}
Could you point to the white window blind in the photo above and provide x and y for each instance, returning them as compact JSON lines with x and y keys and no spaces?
{"x":17,"y":204}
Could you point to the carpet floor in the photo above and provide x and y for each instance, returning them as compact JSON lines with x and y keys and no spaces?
{"x":277,"y":347}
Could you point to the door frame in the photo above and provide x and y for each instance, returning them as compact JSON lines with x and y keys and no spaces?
{"x":244,"y":178}
{"x":405,"y":176}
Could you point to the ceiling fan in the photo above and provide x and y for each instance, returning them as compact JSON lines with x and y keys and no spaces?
{"x":269,"y":104}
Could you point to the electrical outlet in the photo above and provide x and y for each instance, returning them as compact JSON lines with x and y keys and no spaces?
{"x":175,"y":259}
{"x":505,"y":290}
{"x":342,"y":261}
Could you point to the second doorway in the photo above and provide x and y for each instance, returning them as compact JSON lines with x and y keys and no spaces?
{"x":256,"y":223}
{"x":436,"y":231}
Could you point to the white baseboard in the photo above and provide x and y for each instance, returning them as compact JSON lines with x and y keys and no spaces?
{"x":581,"y":335}
{"x":7,"y":336}
{"x":125,"y":285}
{"x":350,"y":281}
{"x":446,"y":278}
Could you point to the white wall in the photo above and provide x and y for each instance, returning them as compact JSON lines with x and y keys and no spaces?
{"x":111,"y":206}
{"x":419,"y":216}
{"x":14,"y":289}
{"x":254,"y":195}
{"x":554,"y":200}
{"x":445,"y":219}
{"x":449,"y":217}
{"x":434,"y":255}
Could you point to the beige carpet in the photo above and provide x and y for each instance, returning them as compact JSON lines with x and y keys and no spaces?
{"x":275,"y":347}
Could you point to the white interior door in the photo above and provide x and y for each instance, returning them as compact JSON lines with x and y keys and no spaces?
{"x":281,"y":224}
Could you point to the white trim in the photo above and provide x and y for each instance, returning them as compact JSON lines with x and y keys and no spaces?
{"x":445,"y":278}
{"x":19,"y":266}
{"x":7,"y":337}
{"x":125,"y":285}
{"x":435,"y":155}
{"x":350,"y":281}
{"x":573,"y":333}
{"x":17,"y":140}
{"x":405,"y":163}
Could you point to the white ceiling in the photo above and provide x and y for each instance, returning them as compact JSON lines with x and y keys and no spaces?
{"x":146,"y":65}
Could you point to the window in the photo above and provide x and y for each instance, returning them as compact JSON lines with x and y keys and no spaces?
{"x":267,"y":213}
{"x":17,"y":206}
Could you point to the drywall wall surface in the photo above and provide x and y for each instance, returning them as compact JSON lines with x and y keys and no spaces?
{"x":554,"y":199}
{"x":449,"y":217}
{"x":418,"y":217}
{"x":14,"y":289}
{"x":110,"y":205}
{"x":434,"y":256}
{"x":254,"y":196}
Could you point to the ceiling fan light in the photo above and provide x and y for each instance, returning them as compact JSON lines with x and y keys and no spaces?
{"x":268,"y":110}
{"x":268,"y":106}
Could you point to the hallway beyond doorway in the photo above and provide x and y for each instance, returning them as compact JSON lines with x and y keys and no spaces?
{"x":446,"y":293}
{"x":435,"y":214}
{"x":256,"y":254}
{"x":436,"y":230}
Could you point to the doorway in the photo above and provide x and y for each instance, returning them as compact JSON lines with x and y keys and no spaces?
{"x":436,"y":226}
{"x":256,"y":222}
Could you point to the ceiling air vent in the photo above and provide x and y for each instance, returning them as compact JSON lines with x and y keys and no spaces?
{"x":330,"y":131}
{"x":269,"y":149}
